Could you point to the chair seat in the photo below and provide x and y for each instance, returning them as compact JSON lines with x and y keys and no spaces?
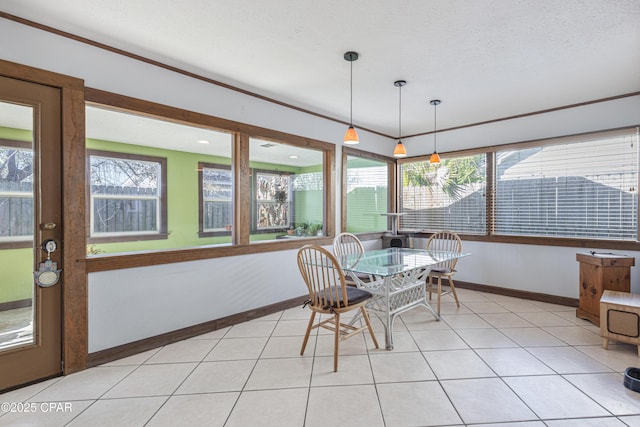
{"x":363,"y":277}
{"x":354,"y":295}
{"x":440,"y":270}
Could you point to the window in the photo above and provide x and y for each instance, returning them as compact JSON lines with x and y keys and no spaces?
{"x":216,"y":199}
{"x":586,"y":187}
{"x":127,"y":196}
{"x":449,"y":196}
{"x":273,"y":201}
{"x":209,"y":207}
{"x":146,"y":182}
{"x":367,"y":194}
{"x":16,"y":191}
{"x":288,"y":197}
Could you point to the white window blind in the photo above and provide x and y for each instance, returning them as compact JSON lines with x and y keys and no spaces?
{"x":216,"y":198}
{"x":450,"y":196}
{"x":367,"y":194}
{"x":579,"y":189}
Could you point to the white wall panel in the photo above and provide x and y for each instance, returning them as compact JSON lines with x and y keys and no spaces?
{"x":544,"y":269}
{"x":136,"y":303}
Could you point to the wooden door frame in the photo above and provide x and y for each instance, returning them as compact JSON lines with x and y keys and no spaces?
{"x":75,"y":340}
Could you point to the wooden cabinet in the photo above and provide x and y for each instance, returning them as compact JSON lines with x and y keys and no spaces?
{"x":599,"y":272}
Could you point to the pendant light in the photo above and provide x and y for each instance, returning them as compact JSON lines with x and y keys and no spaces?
{"x":400,"y":150}
{"x":435,"y":157}
{"x":351,"y":136}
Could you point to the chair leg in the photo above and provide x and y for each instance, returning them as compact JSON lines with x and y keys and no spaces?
{"x":439,"y":293}
{"x":365,"y":315}
{"x":429,"y":284}
{"x":336,"y":342}
{"x":453,"y":289}
{"x":306,"y":335}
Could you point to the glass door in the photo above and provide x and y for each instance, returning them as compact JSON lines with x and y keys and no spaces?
{"x":16,"y":226}
{"x":30,"y":232}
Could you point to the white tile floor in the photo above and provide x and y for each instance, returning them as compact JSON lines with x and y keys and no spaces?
{"x":495,"y":361}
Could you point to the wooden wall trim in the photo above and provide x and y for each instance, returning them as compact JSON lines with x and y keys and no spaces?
{"x":174,"y":69}
{"x":129,"y":349}
{"x":12,"y":305}
{"x":76,"y":330}
{"x":116,"y":262}
{"x":532,"y":113}
{"x":541,"y":241}
{"x":517,"y":293}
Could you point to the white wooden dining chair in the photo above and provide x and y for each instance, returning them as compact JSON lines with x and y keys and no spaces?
{"x":349,"y":244}
{"x":443,"y":241}
{"x":330,"y":296}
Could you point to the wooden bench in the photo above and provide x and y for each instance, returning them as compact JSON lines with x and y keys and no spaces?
{"x":620,"y":318}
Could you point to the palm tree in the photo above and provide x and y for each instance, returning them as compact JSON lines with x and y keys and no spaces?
{"x":452,"y":176}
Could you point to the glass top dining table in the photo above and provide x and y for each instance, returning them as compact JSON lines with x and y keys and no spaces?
{"x":397,"y":278}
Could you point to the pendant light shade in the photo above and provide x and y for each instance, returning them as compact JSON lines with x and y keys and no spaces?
{"x":400,"y":150}
{"x":351,"y":136}
{"x":435,"y":157}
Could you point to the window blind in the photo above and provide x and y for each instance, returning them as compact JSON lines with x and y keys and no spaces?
{"x":449,"y":196}
{"x":583,"y":189}
{"x":367,"y":195}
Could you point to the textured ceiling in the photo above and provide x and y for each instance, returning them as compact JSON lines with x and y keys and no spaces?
{"x":485,"y":59}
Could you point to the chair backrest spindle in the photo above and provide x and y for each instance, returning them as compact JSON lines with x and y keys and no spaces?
{"x":446,"y":241}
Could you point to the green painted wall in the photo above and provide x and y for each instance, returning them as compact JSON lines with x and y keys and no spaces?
{"x":16,"y":134}
{"x":16,"y":265}
{"x":16,"y":274}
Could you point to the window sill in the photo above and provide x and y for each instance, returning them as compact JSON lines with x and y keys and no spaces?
{"x":127,"y":238}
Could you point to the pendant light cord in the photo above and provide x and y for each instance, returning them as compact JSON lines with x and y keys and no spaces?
{"x":351,"y":96}
{"x":435,"y":144}
{"x":400,"y":113}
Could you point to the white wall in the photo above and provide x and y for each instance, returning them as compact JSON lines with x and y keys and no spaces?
{"x":545,"y":269}
{"x":137,"y":303}
{"x":587,"y":118}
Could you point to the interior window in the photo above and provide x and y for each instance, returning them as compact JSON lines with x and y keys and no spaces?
{"x":146,"y":183}
{"x":287,"y":190}
{"x":216,"y":200}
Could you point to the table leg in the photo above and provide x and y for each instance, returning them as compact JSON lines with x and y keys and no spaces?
{"x":389,"y":317}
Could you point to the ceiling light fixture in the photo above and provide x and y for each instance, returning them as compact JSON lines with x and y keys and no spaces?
{"x":351,"y":136}
{"x":435,"y":158}
{"x":203,"y":141}
{"x":400,"y":150}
